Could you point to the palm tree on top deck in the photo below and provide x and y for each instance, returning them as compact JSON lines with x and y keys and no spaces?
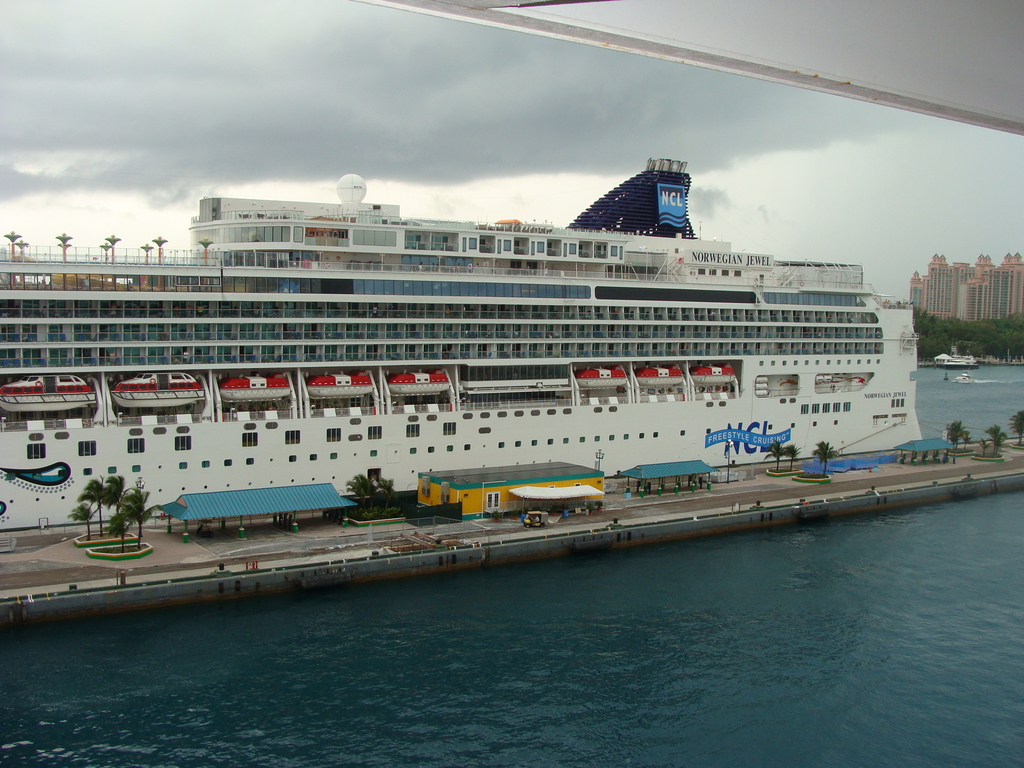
{"x":64,"y":238}
{"x":92,"y":494}
{"x":824,"y":452}
{"x":776,"y":451}
{"x":13,"y":237}
{"x":1017,"y":425}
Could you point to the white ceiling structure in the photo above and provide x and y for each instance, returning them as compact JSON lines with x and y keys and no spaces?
{"x":953,"y":59}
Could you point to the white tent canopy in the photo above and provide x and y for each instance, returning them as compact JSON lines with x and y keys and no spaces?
{"x":574,"y":492}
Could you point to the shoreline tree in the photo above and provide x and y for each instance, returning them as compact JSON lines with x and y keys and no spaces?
{"x":824,"y":452}
{"x":1017,"y":425}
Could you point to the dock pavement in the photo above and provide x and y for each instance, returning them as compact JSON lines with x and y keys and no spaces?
{"x":46,"y":562}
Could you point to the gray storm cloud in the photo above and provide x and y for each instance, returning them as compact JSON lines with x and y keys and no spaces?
{"x":167,"y":98}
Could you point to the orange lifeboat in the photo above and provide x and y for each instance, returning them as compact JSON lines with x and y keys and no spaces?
{"x":712,"y":374}
{"x":418,"y":383}
{"x":246,"y":388}
{"x":600,"y":378}
{"x":659,"y":377}
{"x":340,"y":384}
{"x":46,"y":393}
{"x":152,"y":390}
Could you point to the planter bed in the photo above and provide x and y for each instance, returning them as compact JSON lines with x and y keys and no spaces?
{"x":813,"y":480}
{"x":114,"y":553}
{"x":987,"y":458}
{"x":384,"y":521}
{"x":783,"y":472}
{"x":83,"y":543}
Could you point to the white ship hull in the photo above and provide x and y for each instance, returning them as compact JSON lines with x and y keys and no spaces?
{"x":333,"y":290}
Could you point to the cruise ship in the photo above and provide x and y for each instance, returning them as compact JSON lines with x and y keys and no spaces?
{"x":298,"y":343}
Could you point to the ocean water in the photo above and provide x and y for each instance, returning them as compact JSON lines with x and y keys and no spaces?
{"x":881,"y":640}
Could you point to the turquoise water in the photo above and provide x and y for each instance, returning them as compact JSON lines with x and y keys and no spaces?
{"x":888,"y":640}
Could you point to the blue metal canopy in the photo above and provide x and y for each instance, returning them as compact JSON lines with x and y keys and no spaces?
{"x":256,"y":501}
{"x":929,"y":444}
{"x":668,"y":469}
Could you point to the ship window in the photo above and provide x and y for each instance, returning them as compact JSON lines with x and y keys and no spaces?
{"x":269,"y":425}
{"x":518,"y":413}
{"x":312,"y":457}
{"x":641,"y":435}
{"x":485,"y":430}
{"x":565,"y":441}
{"x":206,"y":465}
{"x":412,"y":430}
{"x":469,"y":415}
{"x":551,"y":441}
{"x":374,"y":433}
{"x":625,"y":437}
{"x":432,"y":417}
{"x":535,"y":413}
{"x":598,"y":410}
{"x":485,"y":415}
{"x":654,"y":434}
{"x":414,"y":418}
{"x":501,"y":445}
{"x":519,"y":443}
{"x":533,"y":442}
{"x":709,"y":405}
{"x":430,"y":449}
{"x":250,"y":427}
{"x":87,"y":448}
{"x":250,"y":439}
{"x":815,"y":408}
{"x":449,"y":428}
{"x":805,"y":409}
{"x":583,"y":439}
{"x":37,"y":450}
{"x":292,"y":437}
{"x":135,"y":432}
{"x":334,"y":457}
{"x":613,"y":408}
{"x":450,"y":448}
{"x":182,"y":465}
{"x":467,"y":447}
{"x":846,"y":407}
{"x":567,"y":411}
{"x":502,"y":414}
{"x":183,"y":443}
{"x":228,"y":462}
{"x":293,"y":458}
{"x":250,"y":461}
{"x":355,"y":422}
{"x":136,"y":445}
{"x":373,"y":453}
{"x":334,"y":435}
{"x":412,"y":450}
{"x":87,"y":471}
{"x":597,"y":438}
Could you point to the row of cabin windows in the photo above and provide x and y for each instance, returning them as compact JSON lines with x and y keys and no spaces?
{"x":825,"y":407}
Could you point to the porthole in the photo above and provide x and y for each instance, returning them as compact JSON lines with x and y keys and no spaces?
{"x":413,"y":418}
{"x":355,"y":422}
{"x":485,"y":430}
{"x":598,"y":410}
{"x":502,"y":414}
{"x":432,"y":417}
{"x":270,"y":425}
{"x":355,"y":437}
{"x":467,"y":415}
{"x":552,"y":411}
{"x":518,"y":413}
{"x":36,"y":436}
{"x":179,"y":430}
{"x":62,"y":435}
{"x":250,"y":427}
{"x":613,"y":408}
{"x":535,"y":413}
{"x":567,"y":411}
{"x":721,"y":403}
{"x":135,"y":432}
{"x":485,"y":415}
{"x":709,"y":405}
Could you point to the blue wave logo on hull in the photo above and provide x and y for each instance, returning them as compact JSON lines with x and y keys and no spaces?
{"x":754,"y":437}
{"x":47,"y":477}
{"x":672,"y":205}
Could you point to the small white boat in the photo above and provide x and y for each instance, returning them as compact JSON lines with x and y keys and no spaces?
{"x":964,"y":378}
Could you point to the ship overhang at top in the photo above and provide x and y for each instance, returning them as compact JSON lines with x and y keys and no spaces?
{"x":946,"y":58}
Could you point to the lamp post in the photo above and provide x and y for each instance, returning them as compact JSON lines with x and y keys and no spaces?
{"x":597,"y":459}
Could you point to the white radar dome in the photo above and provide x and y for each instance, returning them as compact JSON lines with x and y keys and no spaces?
{"x":351,"y":188}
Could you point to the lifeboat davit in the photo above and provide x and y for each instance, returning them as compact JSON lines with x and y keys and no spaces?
{"x":154,"y":390}
{"x":418,"y":383}
{"x":600,"y":378}
{"x":659,"y":377}
{"x":340,"y":384}
{"x":245,"y":388}
{"x":46,"y":393}
{"x":712,"y":374}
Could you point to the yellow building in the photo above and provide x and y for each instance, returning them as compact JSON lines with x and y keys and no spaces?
{"x":486,"y":491}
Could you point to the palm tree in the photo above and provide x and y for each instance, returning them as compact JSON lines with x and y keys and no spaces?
{"x":1017,"y":425}
{"x":113,"y":492}
{"x":135,"y":509}
{"x":386,"y":487}
{"x":824,"y":452}
{"x":146,"y":249}
{"x":983,"y":444}
{"x":965,"y":436}
{"x":998,"y":438}
{"x":792,"y":452}
{"x":954,"y":431}
{"x":64,"y":238}
{"x":360,"y":486}
{"x":119,"y":526}
{"x":13,"y":237}
{"x":776,"y":451}
{"x":92,"y":494}
{"x":83,"y":514}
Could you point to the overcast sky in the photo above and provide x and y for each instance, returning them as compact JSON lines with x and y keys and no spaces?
{"x":118,"y":116}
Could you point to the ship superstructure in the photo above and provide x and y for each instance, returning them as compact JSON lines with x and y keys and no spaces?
{"x":301,"y":343}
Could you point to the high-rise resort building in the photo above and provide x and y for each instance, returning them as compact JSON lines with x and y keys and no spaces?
{"x":970,"y":292}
